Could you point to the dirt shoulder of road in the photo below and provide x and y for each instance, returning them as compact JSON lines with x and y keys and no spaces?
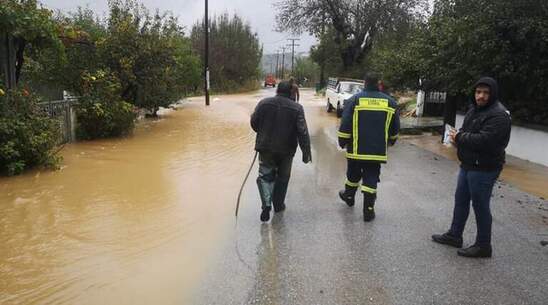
{"x":527,"y":176}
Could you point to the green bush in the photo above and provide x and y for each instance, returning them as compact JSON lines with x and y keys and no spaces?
{"x":27,"y":137}
{"x":101,"y":113}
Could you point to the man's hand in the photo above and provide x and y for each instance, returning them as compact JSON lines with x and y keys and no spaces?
{"x":307,"y":158}
{"x":453,"y":136}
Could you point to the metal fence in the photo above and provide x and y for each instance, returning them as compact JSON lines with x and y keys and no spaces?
{"x":435,"y":97}
{"x":63,"y":111}
{"x":434,"y":103}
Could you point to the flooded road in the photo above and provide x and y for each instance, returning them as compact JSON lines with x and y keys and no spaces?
{"x":128,"y":221}
{"x":527,"y":176}
{"x":149,"y":219}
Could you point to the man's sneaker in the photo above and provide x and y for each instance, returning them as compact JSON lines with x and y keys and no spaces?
{"x":265,"y":214}
{"x":279,"y":208}
{"x":348,"y":199}
{"x":368,"y":213}
{"x":447,"y":239}
{"x":476,"y":251}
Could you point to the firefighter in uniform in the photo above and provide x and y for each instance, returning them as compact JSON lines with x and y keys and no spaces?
{"x":370,"y":123}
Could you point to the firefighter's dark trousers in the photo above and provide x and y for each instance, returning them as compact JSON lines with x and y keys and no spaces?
{"x":274,"y":174}
{"x":366,"y":171}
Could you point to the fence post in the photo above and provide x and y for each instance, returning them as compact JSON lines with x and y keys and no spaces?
{"x":72,"y":122}
{"x":420,"y":103}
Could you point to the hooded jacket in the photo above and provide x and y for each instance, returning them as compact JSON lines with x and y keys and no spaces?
{"x":280,"y":124}
{"x":485,"y":132}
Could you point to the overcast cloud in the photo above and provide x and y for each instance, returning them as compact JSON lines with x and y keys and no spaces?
{"x":259,"y":13}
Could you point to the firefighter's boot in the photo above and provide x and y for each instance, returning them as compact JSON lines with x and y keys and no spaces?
{"x":347,"y":195}
{"x":369,"y":206}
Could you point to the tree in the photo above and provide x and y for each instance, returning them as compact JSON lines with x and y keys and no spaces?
{"x":465,"y":39}
{"x":325,"y":55}
{"x":149,"y":54}
{"x":355,"y":23}
{"x":306,"y":71}
{"x":399,"y":57}
{"x":235,"y":52}
{"x":80,"y":32}
{"x":24,"y":25}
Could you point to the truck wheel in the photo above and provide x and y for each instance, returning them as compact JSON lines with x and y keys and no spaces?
{"x":339,"y":110}
{"x":329,"y":108}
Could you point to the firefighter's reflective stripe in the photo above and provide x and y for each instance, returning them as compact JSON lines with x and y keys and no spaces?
{"x":387,"y":126}
{"x":394,"y":137}
{"x":343,"y":135}
{"x":352,"y":184}
{"x":368,"y":189}
{"x":355,"y":132}
{"x":373,"y":103}
{"x":367,"y":157}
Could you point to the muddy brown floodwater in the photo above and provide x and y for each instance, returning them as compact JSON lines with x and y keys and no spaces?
{"x":129,"y":221}
{"x":527,"y":176}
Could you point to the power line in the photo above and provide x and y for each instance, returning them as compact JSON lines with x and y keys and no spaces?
{"x":293,"y":45}
{"x":277,"y":41}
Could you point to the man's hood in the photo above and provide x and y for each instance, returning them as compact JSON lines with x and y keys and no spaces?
{"x":494,"y":89}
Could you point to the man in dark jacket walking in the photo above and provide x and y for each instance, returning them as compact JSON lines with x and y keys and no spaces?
{"x":481,"y":144}
{"x":295,"y":95}
{"x":280,"y":124}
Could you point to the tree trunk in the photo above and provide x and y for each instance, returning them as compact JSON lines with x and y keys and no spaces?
{"x":20,"y":59}
{"x":322,"y":74}
{"x":7,"y":58}
{"x":353,"y":55}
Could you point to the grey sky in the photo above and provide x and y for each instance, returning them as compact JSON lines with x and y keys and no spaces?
{"x":259,"y":13}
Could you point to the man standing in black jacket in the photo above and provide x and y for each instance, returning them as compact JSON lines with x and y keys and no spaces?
{"x":279,"y":123}
{"x":481,"y":144}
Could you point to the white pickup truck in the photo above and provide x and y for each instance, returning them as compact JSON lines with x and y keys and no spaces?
{"x":339,"y":90}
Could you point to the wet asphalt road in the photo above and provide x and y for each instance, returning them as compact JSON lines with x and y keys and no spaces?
{"x":319,"y":251}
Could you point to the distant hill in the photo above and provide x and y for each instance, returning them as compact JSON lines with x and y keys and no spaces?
{"x":268,"y":62}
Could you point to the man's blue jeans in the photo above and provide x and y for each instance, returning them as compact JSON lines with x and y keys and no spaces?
{"x":475,"y":186}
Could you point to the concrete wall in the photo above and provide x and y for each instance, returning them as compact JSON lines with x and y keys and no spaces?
{"x":527,"y":144}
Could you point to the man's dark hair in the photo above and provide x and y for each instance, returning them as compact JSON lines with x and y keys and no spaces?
{"x":371,"y":78}
{"x":284,"y":89}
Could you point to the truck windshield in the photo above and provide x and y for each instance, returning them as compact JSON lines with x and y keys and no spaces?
{"x":351,"y":88}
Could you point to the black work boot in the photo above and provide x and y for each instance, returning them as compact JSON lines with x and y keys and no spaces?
{"x":265,"y":214}
{"x":369,"y":206}
{"x":278,"y":195}
{"x":476,"y":251}
{"x":347,"y":195}
{"x":280,"y":207}
{"x":447,"y":239}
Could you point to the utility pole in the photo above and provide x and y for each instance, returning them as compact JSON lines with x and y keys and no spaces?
{"x":283,"y":62}
{"x":206,"y":60}
{"x":277,"y":63}
{"x":293,"y":45}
